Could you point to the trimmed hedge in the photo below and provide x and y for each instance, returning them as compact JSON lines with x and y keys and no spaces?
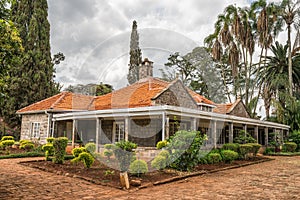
{"x":255,"y":148}
{"x":231,"y":146}
{"x":290,"y":147}
{"x":7,"y":138}
{"x":229,"y":155}
{"x":161,"y":144}
{"x":22,"y":155}
{"x":78,"y":150}
{"x":214,"y":158}
{"x":244,"y":150}
{"x":138,"y":167}
{"x":159,"y":162}
{"x":59,"y":145}
{"x":90,"y":147}
{"x":86,"y":158}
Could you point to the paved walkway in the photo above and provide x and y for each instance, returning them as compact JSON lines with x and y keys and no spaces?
{"x":279,"y":179}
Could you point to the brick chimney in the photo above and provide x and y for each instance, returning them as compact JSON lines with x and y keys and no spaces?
{"x":146,"y":69}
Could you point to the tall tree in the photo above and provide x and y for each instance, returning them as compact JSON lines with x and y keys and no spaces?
{"x":290,"y":13}
{"x":32,"y":80}
{"x":135,"y":55}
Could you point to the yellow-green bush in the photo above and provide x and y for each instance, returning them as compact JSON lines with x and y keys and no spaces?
{"x":138,"y":167}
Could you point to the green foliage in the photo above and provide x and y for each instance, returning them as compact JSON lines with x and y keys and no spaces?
{"x":24,"y":142}
{"x":109,"y":173}
{"x":161,"y":144}
{"x":255,"y":148}
{"x":159,"y":162}
{"x":59,"y":145}
{"x":109,"y":146}
{"x":138,"y":167}
{"x":214,"y":158}
{"x":184,"y":147}
{"x":164,"y":153}
{"x":27,"y":146}
{"x":78,"y":150}
{"x":245,"y":149}
{"x":86,"y":158}
{"x":229,"y":155}
{"x":48,"y":149}
{"x":90,"y":147}
{"x":123,"y":151}
{"x":290,"y":146}
{"x":269,"y":150}
{"x":295,"y":137}
{"x":7,"y":138}
{"x":108,"y":153}
{"x":231,"y":146}
{"x":50,"y":140}
{"x":244,"y":138}
{"x":22,"y":155}
{"x":8,"y":143}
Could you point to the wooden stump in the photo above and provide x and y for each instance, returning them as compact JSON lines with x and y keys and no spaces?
{"x":124,"y":180}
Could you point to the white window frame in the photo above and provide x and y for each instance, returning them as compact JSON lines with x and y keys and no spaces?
{"x":35,"y":130}
{"x":117,"y":136}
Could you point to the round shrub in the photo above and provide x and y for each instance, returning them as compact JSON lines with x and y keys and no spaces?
{"x":214,"y":158}
{"x":138,"y":167}
{"x":50,"y":140}
{"x":161,"y":144}
{"x":49,"y":148}
{"x":90,"y":147}
{"x":109,"y":146}
{"x":164,"y":153}
{"x":78,"y":150}
{"x":244,"y":150}
{"x":86,"y":158}
{"x":8,"y":143}
{"x":290,"y":146}
{"x":255,"y":148}
{"x":159,"y":162}
{"x":24,"y":142}
{"x":108,"y":153}
{"x":269,"y":150}
{"x":7,"y":138}
{"x":59,"y":145}
{"x":27,"y":146}
{"x":231,"y":146}
{"x":229,"y":155}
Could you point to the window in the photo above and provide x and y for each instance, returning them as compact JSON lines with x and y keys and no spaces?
{"x":35,"y":130}
{"x":118,"y":131}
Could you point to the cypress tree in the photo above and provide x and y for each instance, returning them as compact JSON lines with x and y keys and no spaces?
{"x":32,"y":79}
{"x":135,"y":55}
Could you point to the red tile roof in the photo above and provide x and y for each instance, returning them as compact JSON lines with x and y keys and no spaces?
{"x":139,"y":94}
{"x":64,"y":101}
{"x":226,"y":108}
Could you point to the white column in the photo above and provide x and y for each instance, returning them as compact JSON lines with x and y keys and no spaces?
{"x":73,"y":132}
{"x":194,"y":124}
{"x":53,"y":128}
{"x":214,"y":133}
{"x":163,"y":127}
{"x":256,"y":133}
{"x":167,"y":127}
{"x":98,"y":133}
{"x":126,"y":128}
{"x":245,"y":128}
{"x":230,"y":132}
{"x":266,"y":136}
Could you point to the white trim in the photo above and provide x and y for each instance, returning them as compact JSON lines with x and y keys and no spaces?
{"x":159,"y":110}
{"x":114,"y":131}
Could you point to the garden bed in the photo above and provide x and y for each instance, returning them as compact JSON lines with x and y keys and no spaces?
{"x":101,"y":174}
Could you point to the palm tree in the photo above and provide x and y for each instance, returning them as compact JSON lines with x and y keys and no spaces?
{"x":290,"y":13}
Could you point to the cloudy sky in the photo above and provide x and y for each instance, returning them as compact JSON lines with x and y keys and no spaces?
{"x":94,"y":34}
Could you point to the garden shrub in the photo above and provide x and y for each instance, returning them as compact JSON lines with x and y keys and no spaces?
{"x":203,"y":156}
{"x":24,"y":142}
{"x":214,"y":158}
{"x":269,"y":150}
{"x":59,"y":145}
{"x":27,"y":146}
{"x":255,"y":148}
{"x":123,"y":151}
{"x":86,"y":158}
{"x":184,"y":147}
{"x":295,"y":137}
{"x":7,"y":143}
{"x":290,"y":146}
{"x":90,"y":147}
{"x":164,"y":153}
{"x":159,"y":162}
{"x":48,"y":149}
{"x":78,"y":150}
{"x":109,"y":146}
{"x":50,"y":140}
{"x":108,"y":153}
{"x":229,"y":155}
{"x":161,"y":144}
{"x":7,"y":138}
{"x":138,"y":167}
{"x":231,"y":146}
{"x":244,"y":150}
{"x":244,"y":137}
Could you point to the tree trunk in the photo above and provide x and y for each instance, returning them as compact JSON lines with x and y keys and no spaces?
{"x":290,"y":61}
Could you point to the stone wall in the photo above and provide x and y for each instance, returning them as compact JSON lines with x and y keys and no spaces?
{"x":176,"y":95}
{"x":26,"y":126}
{"x":145,"y":132}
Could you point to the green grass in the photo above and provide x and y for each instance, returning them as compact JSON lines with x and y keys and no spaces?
{"x":23,"y":155}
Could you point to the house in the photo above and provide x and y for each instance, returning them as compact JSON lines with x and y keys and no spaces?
{"x":145,"y":112}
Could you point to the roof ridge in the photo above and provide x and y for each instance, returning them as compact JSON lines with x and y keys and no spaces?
{"x":64,"y":93}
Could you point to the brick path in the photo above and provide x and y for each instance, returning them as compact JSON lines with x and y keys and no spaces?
{"x":279,"y":179}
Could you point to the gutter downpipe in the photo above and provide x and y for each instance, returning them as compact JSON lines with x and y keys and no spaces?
{"x":49,"y":122}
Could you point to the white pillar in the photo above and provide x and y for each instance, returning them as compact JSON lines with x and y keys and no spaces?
{"x":53,"y":128}
{"x":266,"y":136}
{"x":167,"y":127}
{"x":73,"y":132}
{"x":230,"y":132}
{"x":214,"y":133}
{"x":126,"y":128}
{"x":163,"y":127}
{"x":194,"y":124}
{"x":256,"y":133}
{"x":98,"y":133}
